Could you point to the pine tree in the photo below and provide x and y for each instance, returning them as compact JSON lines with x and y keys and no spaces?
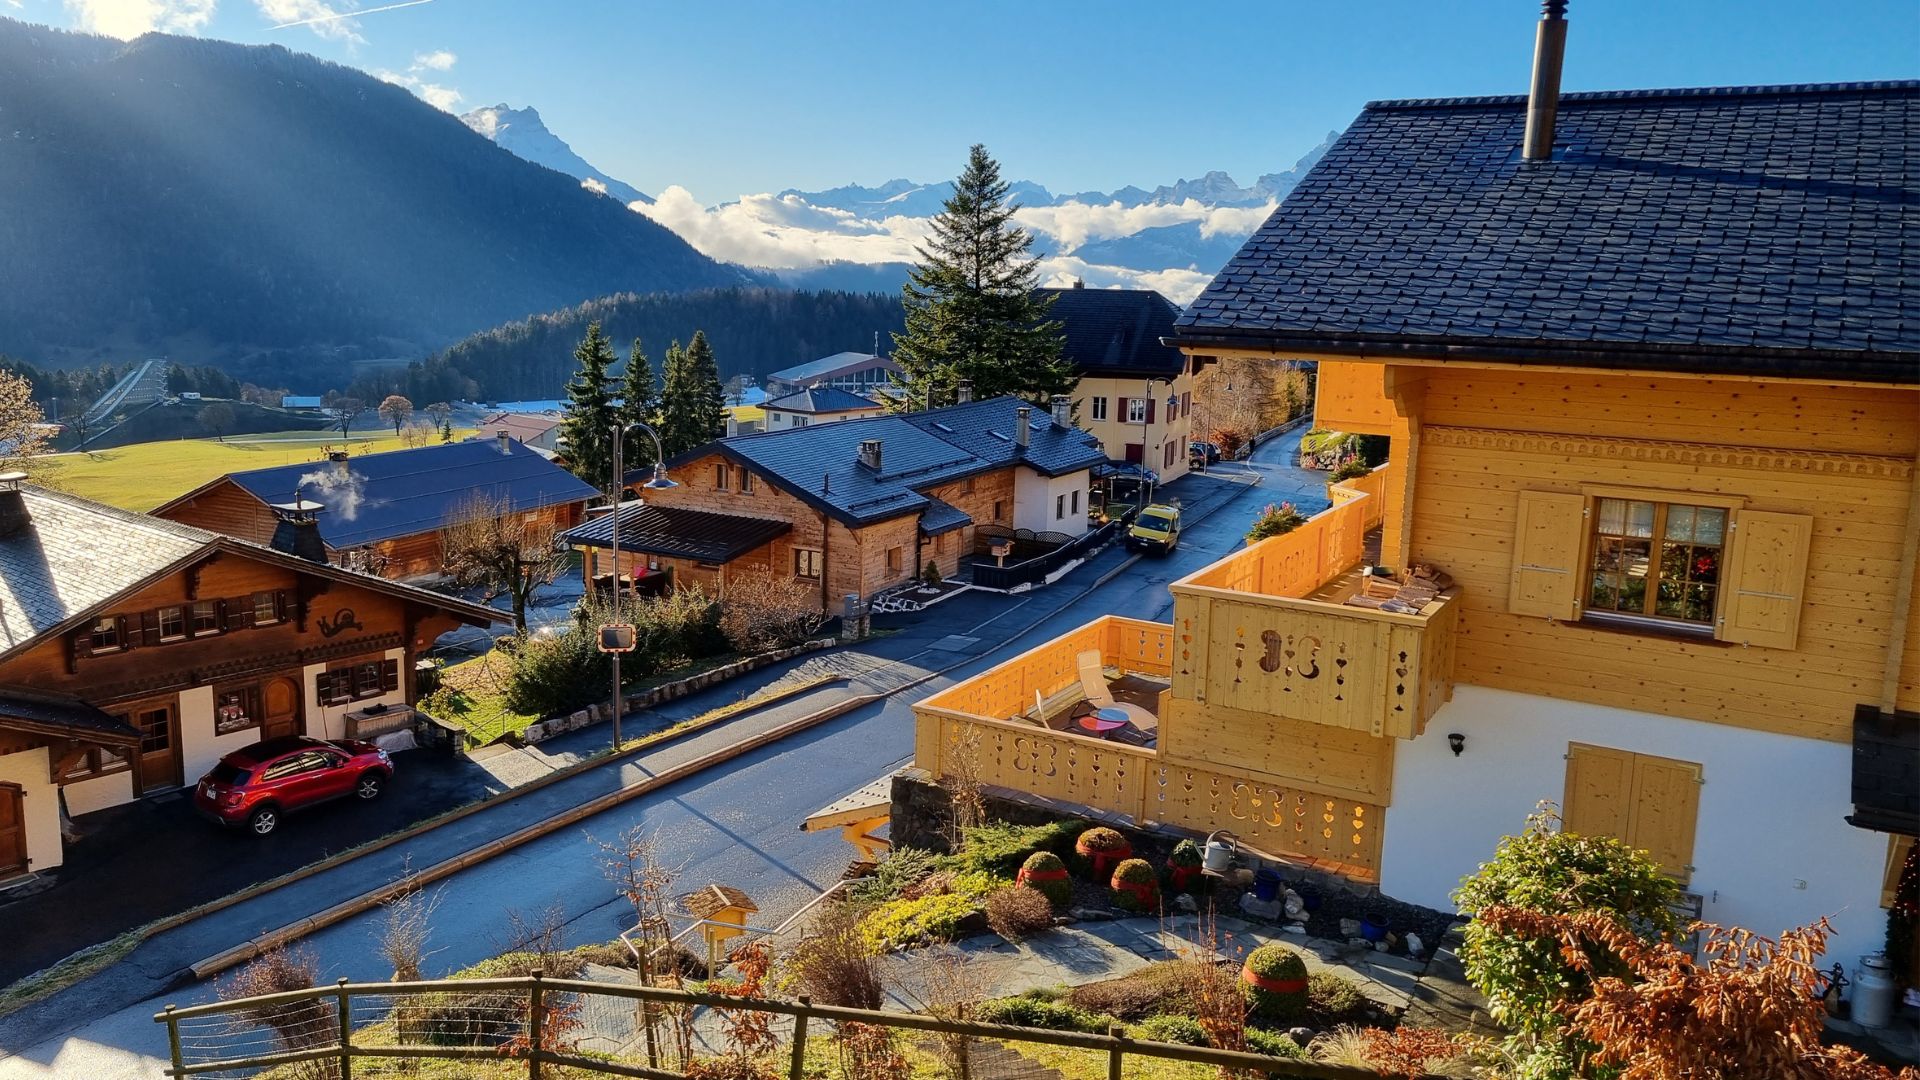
{"x":588,"y":425}
{"x":692,"y":407}
{"x":971,"y":309}
{"x":637,"y":390}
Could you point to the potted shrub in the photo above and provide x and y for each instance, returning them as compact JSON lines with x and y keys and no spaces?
{"x":1183,"y":866}
{"x":1350,"y":468}
{"x":1046,"y":874}
{"x":1276,"y":980}
{"x":1275,"y":521}
{"x":1136,"y":887}
{"x":1104,"y":849}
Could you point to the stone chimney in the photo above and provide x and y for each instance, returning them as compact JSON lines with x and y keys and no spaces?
{"x":14,"y":515}
{"x":298,"y":530}
{"x":870,"y":453}
{"x":1543,"y":97}
{"x":1022,"y":427}
{"x":963,"y":392}
{"x":504,"y":441}
{"x":1062,"y":411}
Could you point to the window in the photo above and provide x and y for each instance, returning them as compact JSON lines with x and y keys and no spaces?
{"x":1076,"y":501}
{"x":206,"y":617}
{"x":1136,"y":410}
{"x":720,"y":472}
{"x":1186,"y":403}
{"x":1100,"y":408}
{"x":352,"y":682}
{"x":940,"y":544}
{"x":746,"y":481}
{"x":173,"y":623}
{"x":236,"y":708}
{"x":105,"y":636}
{"x":893,"y":559}
{"x":799,"y":421}
{"x":366,"y":679}
{"x":806,"y":562}
{"x":997,"y":515}
{"x":966,"y":486}
{"x":1661,"y":560}
{"x":1649,"y":802}
{"x":266,"y":608}
{"x":97,"y":762}
{"x":155,"y":727}
{"x":298,"y":765}
{"x":1059,"y":507}
{"x":1166,"y":455}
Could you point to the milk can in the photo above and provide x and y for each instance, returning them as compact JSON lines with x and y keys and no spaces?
{"x":1873,"y":992}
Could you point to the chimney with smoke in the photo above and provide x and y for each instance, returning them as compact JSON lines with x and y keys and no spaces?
{"x":297,"y":530}
{"x":1022,"y":427}
{"x":14,"y":515}
{"x":870,"y":453}
{"x":963,"y":391}
{"x":1543,"y":99}
{"x":1062,"y":411}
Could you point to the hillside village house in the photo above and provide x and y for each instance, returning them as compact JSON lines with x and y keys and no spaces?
{"x":136,"y":652}
{"x":1135,"y":394}
{"x":384,"y":512}
{"x":817,"y":405}
{"x":855,"y":372}
{"x":854,"y":508}
{"x":539,"y":432}
{"x":1653,"y":396}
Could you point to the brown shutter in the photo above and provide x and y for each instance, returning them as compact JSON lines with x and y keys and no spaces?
{"x":389,"y":675}
{"x":323,"y":687}
{"x":150,"y":628}
{"x":280,"y":605}
{"x":1149,"y":409}
{"x":220,"y":616}
{"x":1764,"y":578}
{"x":1547,"y":533}
{"x":123,"y":631}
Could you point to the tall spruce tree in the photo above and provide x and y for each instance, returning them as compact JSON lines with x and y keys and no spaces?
{"x":692,"y":405}
{"x":639,"y":398}
{"x":971,"y":309}
{"x":590,"y":415}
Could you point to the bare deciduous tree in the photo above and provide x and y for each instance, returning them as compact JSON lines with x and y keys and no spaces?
{"x":22,"y":431}
{"x":217,"y":418}
{"x":396,"y":410}
{"x":490,"y":546}
{"x":345,"y":409}
{"x":409,"y":921}
{"x":761,"y":610}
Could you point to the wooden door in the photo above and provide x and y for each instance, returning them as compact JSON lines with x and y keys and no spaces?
{"x":13,"y":831}
{"x":159,"y":731}
{"x":280,"y":708}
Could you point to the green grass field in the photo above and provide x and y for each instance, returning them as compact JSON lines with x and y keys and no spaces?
{"x":144,"y":475}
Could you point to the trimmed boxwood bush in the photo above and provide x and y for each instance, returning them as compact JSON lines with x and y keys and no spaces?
{"x":1029,"y":1010}
{"x":1136,"y":887}
{"x":1183,"y":867}
{"x":1184,"y":1030}
{"x":1276,"y":980}
{"x":1104,"y":849}
{"x":1333,"y":1000}
{"x":1017,"y":912}
{"x":1273,"y":1043}
{"x":1045,"y":873}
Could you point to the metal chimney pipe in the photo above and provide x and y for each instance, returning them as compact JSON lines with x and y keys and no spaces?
{"x":1022,"y":427}
{"x":1543,"y":100}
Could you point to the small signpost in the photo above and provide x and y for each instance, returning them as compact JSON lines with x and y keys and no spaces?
{"x":617,"y":638}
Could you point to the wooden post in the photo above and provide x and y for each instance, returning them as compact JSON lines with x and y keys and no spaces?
{"x":346,"y":1031}
{"x":1116,"y":1057}
{"x":535,"y":1024}
{"x":797,"y":1063}
{"x":173,"y":1045}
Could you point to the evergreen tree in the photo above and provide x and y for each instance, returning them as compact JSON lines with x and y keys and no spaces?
{"x":588,"y":425}
{"x":971,"y":309}
{"x":638,"y":402}
{"x":692,"y":407}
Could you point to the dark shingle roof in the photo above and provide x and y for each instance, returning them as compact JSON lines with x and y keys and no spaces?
{"x":820,"y":399}
{"x":1117,"y":332}
{"x":404,"y":492}
{"x":832,"y":365}
{"x":1738,"y":230}
{"x":941,"y":516}
{"x":50,"y":714}
{"x":678,"y":533}
{"x":820,"y":464}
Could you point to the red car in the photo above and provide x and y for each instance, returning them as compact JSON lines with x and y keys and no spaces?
{"x":255,"y":786}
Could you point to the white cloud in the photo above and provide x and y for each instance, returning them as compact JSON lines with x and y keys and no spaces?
{"x":593,"y":185}
{"x":784,"y":232}
{"x":1177,"y":285}
{"x":129,"y":19}
{"x":321,"y":17}
{"x":438,"y":95}
{"x":437,"y":60}
{"x":1074,"y":224}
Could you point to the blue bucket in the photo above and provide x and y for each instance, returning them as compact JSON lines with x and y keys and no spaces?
{"x":1266,"y":885}
{"x":1373,"y":929}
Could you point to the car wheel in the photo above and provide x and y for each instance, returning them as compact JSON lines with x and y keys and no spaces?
{"x":263,"y":821}
{"x":368,"y":789}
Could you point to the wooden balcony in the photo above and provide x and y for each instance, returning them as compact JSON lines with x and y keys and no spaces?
{"x":1270,"y":630}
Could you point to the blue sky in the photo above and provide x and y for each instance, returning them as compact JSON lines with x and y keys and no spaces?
{"x":735,"y":98}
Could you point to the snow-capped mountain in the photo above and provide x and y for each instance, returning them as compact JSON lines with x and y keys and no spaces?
{"x":522,"y":132}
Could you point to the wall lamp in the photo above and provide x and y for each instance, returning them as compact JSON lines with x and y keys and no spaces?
{"x":1457,"y":741}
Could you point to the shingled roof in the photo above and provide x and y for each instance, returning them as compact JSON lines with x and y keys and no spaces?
{"x":1115,"y":333}
{"x":820,"y":399}
{"x":679,"y":533}
{"x":820,"y":464}
{"x":1744,"y":230}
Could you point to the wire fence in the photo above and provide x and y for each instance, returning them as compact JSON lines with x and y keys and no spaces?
{"x":563,"y":1029}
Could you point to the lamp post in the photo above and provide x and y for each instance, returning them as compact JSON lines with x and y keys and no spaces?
{"x":1146,"y":432}
{"x":658,"y":482}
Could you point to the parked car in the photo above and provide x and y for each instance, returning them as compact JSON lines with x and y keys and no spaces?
{"x":1203,"y":453}
{"x":1156,"y":529}
{"x":253,"y":787}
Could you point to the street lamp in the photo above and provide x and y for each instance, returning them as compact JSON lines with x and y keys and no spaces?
{"x":1146,"y":440}
{"x":659,"y":482}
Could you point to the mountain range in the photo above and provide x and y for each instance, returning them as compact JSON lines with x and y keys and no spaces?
{"x":197,"y":198}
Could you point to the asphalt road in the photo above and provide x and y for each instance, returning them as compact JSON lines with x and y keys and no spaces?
{"x":738,"y":824}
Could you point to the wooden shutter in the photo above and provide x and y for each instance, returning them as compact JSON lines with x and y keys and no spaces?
{"x":1599,"y":790}
{"x":1763,"y":579}
{"x":1666,"y":807}
{"x":126,"y":631}
{"x":323,"y":687}
{"x":149,"y":628}
{"x":1149,"y":409}
{"x":220,"y":617}
{"x":390,"y":675}
{"x":1547,"y":537}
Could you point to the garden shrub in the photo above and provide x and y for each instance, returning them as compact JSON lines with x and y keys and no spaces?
{"x":1276,"y":983}
{"x":1527,"y":980}
{"x":1167,"y":1028}
{"x":1017,"y":911}
{"x":999,"y":848}
{"x":1156,"y":988}
{"x":1275,"y":521}
{"x":908,"y":922}
{"x":1136,"y":887}
{"x":761,"y":610}
{"x":1183,"y":866}
{"x":1350,"y":468}
{"x":1046,"y":874}
{"x":833,"y":964}
{"x":901,"y":868}
{"x":1104,"y":849}
{"x":1273,"y":1043}
{"x":1333,"y":1000}
{"x":1035,"y":1011}
{"x":557,"y":674}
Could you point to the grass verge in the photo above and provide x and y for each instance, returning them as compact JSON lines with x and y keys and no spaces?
{"x":84,"y":964}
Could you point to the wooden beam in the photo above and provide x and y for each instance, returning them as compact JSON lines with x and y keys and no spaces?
{"x":1902,"y":600}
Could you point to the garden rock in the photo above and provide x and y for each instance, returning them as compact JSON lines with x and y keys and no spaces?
{"x":1415,"y":946}
{"x":1081,"y":914}
{"x":1258,"y":908}
{"x":1294,"y":928}
{"x":1349,"y":928}
{"x":1186,"y":903}
{"x":1301,"y":1036}
{"x":1295,"y":907}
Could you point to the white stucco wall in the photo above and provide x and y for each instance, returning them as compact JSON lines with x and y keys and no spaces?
{"x":90,"y":795}
{"x":40,"y":805}
{"x":200,"y":747}
{"x":1033,"y":500}
{"x":1772,"y":848}
{"x":325,"y":721}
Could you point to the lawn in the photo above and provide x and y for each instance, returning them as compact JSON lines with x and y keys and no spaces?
{"x":144,"y":475}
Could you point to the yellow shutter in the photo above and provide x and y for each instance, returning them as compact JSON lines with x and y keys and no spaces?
{"x":1666,"y":807}
{"x":1599,"y":788}
{"x":1764,"y":577}
{"x":1547,"y":535}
